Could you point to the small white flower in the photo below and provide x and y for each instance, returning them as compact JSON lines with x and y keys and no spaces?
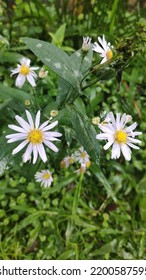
{"x":67,"y":161}
{"x":24,"y":72}
{"x":104,"y":49}
{"x":117,"y":134}
{"x":35,"y":136}
{"x":81,"y":156}
{"x":43,"y":73}
{"x":86,"y":44}
{"x":44,"y":177}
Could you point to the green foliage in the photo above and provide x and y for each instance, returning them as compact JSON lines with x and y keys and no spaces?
{"x":98,"y":212}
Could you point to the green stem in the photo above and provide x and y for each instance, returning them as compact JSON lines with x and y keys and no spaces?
{"x":35,"y":97}
{"x":77,"y":195}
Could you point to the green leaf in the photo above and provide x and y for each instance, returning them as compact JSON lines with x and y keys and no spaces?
{"x":110,"y":247}
{"x":56,"y":59}
{"x":5,"y":154}
{"x":98,"y":173}
{"x":8,"y":94}
{"x":66,"y":94}
{"x":81,"y":63}
{"x":58,"y":36}
{"x":86,"y":133}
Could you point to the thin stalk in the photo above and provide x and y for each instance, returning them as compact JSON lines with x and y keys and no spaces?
{"x":77,"y":195}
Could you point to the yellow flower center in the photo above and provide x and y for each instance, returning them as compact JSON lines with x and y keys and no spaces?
{"x":109,"y":54}
{"x":24,"y":70}
{"x":120,"y":136}
{"x":88,"y":163}
{"x":71,"y":160}
{"x":35,"y":136}
{"x":83,"y":155}
{"x":46,"y":176}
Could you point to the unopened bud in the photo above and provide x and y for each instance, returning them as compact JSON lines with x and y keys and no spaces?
{"x":54,"y":113}
{"x":43,"y":73}
{"x":96,"y":120}
{"x":27,"y":102}
{"x":86,"y":44}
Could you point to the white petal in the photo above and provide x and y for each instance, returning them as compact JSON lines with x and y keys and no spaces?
{"x":15,"y":71}
{"x":50,"y":126}
{"x":136,"y":133}
{"x":44,"y":124}
{"x":97,"y":48}
{"x":104,"y":44}
{"x":133,"y":146}
{"x":123,"y":120}
{"x":30,"y":120}
{"x":37,"y":119}
{"x":27,"y":154}
{"x":107,"y":128}
{"x":16,"y":128}
{"x":118,"y":122}
{"x":20,"y":80}
{"x":34,"y":68}
{"x":33,"y":74}
{"x":15,"y":139}
{"x":133,"y":140}
{"x":115,"y":151}
{"x":20,"y":147}
{"x":23,"y":123}
{"x":42,"y":152}
{"x":31,"y":80}
{"x":51,"y":146}
{"x":104,"y":60}
{"x":131,"y":127}
{"x":17,"y":135}
{"x":52,"y":138}
{"x":126,"y":151}
{"x":25,"y":61}
{"x":102,"y":136}
{"x":108,"y":145}
{"x":35,"y":153}
{"x":111,"y":115}
{"x":52,"y":134}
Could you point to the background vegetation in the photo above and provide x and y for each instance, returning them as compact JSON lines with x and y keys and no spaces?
{"x":109,"y":221}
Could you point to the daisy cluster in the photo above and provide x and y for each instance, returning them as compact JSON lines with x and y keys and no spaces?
{"x":36,"y":137}
{"x":81,"y":157}
{"x":103,"y":47}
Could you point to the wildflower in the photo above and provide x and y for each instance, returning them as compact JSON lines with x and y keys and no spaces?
{"x":67,"y":161}
{"x":43,"y":73}
{"x":118,"y":135}
{"x":81,"y":156}
{"x":86,"y":44}
{"x":44,"y":177}
{"x":104,"y":49}
{"x":24,"y":72}
{"x":35,"y":136}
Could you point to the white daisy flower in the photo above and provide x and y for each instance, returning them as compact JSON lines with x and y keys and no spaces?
{"x":104,"y":49}
{"x":67,"y":161}
{"x":35,"y":136}
{"x":86,"y":44}
{"x":81,"y":156}
{"x":43,"y":73}
{"x":117,"y":134}
{"x":24,"y":72}
{"x":44,"y":177}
